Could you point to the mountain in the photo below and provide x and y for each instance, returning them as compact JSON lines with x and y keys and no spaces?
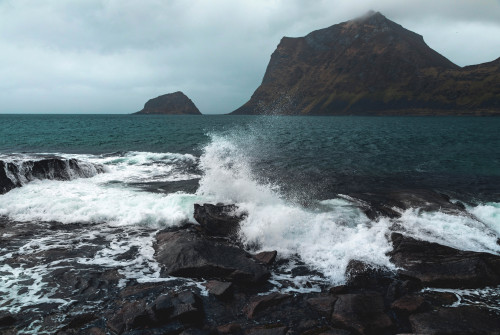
{"x":176,"y":103}
{"x":371,"y":66}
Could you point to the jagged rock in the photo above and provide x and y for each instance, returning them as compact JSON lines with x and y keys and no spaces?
{"x":218,"y":220}
{"x":441,"y":266}
{"x":362,"y":313}
{"x":266,"y":257}
{"x":261,"y":303}
{"x":370,"y":66}
{"x":462,"y":320}
{"x":218,"y":288}
{"x":186,"y":254}
{"x":176,"y":103}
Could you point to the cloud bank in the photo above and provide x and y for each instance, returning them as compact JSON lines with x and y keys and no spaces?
{"x":111,"y":56}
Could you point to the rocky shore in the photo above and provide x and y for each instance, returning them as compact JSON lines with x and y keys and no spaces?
{"x":210,"y":284}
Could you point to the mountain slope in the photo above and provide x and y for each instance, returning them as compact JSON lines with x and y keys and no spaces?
{"x":370,"y":65}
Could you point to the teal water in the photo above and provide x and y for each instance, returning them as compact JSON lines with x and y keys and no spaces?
{"x":322,"y":154}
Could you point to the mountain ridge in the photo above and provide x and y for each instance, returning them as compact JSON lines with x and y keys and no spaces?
{"x":371,"y":66}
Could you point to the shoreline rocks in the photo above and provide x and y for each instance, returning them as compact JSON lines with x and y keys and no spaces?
{"x":222,"y":289}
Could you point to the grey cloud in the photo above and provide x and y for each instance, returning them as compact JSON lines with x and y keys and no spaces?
{"x":111,"y":56}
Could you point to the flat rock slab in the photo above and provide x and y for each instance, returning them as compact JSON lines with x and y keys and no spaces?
{"x":441,"y":266}
{"x":266,"y":257}
{"x":459,"y":320}
{"x":218,"y":288}
{"x":185,"y":253}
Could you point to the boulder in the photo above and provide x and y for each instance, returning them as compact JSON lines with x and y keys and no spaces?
{"x":185,"y":253}
{"x":219,"y":289}
{"x":218,"y":220}
{"x":267,"y":330}
{"x":441,"y":266}
{"x":408,"y":304}
{"x":362,"y":313}
{"x":261,"y":303}
{"x":131,"y":315}
{"x":322,"y":304}
{"x":184,"y":306}
{"x":266,"y":257}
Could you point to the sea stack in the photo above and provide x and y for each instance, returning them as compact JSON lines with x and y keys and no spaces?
{"x":176,"y":103}
{"x":371,"y":66}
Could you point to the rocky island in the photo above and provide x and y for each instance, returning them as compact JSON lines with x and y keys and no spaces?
{"x":176,"y":103}
{"x":371,"y":66}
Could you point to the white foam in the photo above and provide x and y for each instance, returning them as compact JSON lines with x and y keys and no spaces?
{"x":325,"y":239}
{"x":88,"y":200}
{"x":459,"y":231}
{"x":489,"y":213}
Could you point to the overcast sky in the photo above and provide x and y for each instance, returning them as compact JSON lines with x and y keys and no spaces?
{"x":98,"y":56}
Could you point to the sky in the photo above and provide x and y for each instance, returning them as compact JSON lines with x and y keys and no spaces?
{"x":111,"y":56}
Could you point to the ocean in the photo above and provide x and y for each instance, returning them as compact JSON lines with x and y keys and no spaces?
{"x":300,"y":179}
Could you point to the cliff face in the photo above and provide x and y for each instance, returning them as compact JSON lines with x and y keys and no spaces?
{"x":369,"y":66}
{"x":173,"y":103}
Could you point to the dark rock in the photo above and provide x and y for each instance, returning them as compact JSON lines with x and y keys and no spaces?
{"x":186,"y":254}
{"x":408,"y":304}
{"x":173,"y":328}
{"x":440,"y":266}
{"x":441,"y":299}
{"x":261,"y":303}
{"x":219,"y":289}
{"x":176,"y":103}
{"x":363,"y":275}
{"x":323,"y":304}
{"x":231,"y":328}
{"x":80,"y":320}
{"x":218,"y":220}
{"x":267,"y":330}
{"x":6,"y":319}
{"x":459,"y":320}
{"x":370,"y":66}
{"x":340,"y":289}
{"x":195,"y":331}
{"x":335,"y":332}
{"x":266,"y":257}
{"x":362,"y":313}
{"x":131,"y":315}
{"x":184,"y":306}
{"x":15,"y":174}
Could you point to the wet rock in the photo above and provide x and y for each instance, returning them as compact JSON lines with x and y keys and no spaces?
{"x":363,"y":275}
{"x":459,"y":320}
{"x":231,"y":328}
{"x":267,"y":330}
{"x":440,"y":266}
{"x":261,"y":303}
{"x":362,"y":313}
{"x":80,"y":320}
{"x":195,"y":331}
{"x":441,"y":299}
{"x":218,"y":220}
{"x":6,"y":319}
{"x":323,"y":304}
{"x":131,"y":315}
{"x":184,"y":306}
{"x":15,"y":174}
{"x":219,"y":289}
{"x":266,"y":257}
{"x":335,"y":332}
{"x":184,"y":253}
{"x":408,"y":304}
